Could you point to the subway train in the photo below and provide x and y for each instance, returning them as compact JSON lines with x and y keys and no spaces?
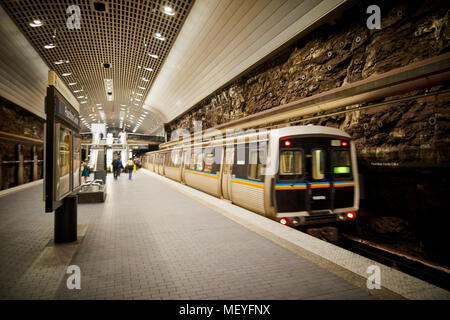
{"x":298,"y":175}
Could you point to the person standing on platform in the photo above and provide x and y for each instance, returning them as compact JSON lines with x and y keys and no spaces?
{"x":86,"y":171}
{"x":130,"y":167}
{"x":116,"y":168}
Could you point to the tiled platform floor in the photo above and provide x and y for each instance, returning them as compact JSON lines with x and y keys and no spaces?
{"x":149,"y":241}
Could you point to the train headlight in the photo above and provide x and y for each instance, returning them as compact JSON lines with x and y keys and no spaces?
{"x":284,"y":221}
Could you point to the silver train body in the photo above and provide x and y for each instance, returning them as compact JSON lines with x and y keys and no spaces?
{"x":299,"y":175}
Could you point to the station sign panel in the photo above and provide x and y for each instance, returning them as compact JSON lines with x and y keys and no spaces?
{"x":62,"y":174}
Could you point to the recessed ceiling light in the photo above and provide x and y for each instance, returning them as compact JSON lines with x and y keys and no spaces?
{"x":145,"y":79}
{"x":76,"y":91}
{"x":136,"y":104}
{"x":137,"y":99}
{"x":59,"y":62}
{"x":72,"y":83}
{"x":36,"y":23}
{"x":49,"y":46}
{"x":98,"y":104}
{"x":79,"y":97}
{"x":139,"y":94}
{"x":148,"y":69}
{"x":153,"y":55}
{"x":159,"y":36}
{"x":66,"y":74}
{"x":83,"y":101}
{"x":168,"y":10}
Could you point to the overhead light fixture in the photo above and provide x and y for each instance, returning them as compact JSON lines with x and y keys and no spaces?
{"x":168,"y":10}
{"x":139,"y":94}
{"x":137,"y":99}
{"x":136,"y":104}
{"x":36,"y":23}
{"x":72,"y":83}
{"x":83,"y":101}
{"x":159,"y":36}
{"x":148,"y":69}
{"x":66,"y":74}
{"x":98,"y":104}
{"x":49,"y":46}
{"x":59,"y":62}
{"x":76,"y":91}
{"x":153,"y":55}
{"x":79,"y":97}
{"x":145,"y":79}
{"x":142,"y":88}
{"x":109,"y":89}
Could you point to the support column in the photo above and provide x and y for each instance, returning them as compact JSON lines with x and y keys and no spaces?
{"x":35,"y":164}
{"x":20,"y":169}
{"x":66,"y":221}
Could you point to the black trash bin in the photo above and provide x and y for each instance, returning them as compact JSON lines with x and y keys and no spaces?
{"x":66,"y":220}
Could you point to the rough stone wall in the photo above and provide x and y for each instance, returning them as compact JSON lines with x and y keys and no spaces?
{"x":17,"y":120}
{"x":402,"y":203}
{"x":345,"y":52}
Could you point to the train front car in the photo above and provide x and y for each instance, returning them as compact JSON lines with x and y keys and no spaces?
{"x":315,"y":178}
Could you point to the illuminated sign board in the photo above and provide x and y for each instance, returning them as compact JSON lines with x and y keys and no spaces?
{"x":62,"y":146}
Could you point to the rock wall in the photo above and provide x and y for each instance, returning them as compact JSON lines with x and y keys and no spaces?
{"x":17,"y":120}
{"x":335,"y":55}
{"x":403,"y":148}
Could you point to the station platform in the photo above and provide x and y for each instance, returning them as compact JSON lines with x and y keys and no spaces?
{"x":154,"y":238}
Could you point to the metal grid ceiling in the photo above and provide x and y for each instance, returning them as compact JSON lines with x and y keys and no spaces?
{"x":123,"y":36}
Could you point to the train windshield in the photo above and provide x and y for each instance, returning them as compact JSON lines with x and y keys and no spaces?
{"x":340,"y":160}
{"x":291,"y":164}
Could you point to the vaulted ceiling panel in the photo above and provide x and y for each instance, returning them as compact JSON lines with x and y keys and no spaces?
{"x":123,"y":34}
{"x":222,"y":39}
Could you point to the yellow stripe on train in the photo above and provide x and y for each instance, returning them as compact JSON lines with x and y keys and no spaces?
{"x":172,"y":168}
{"x":203,"y":174}
{"x":248,"y":183}
{"x":350,"y":184}
{"x":322,"y":185}
{"x":303,"y":187}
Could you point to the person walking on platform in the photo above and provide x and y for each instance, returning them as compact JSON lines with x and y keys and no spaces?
{"x":130,"y":167}
{"x":86,"y":171}
{"x":116,"y":167}
{"x":120,"y":166}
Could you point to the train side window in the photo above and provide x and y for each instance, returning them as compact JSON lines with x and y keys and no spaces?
{"x":253,"y":165}
{"x":186,"y":159}
{"x":291,"y":164}
{"x":199,"y":161}
{"x":318,"y":164}
{"x":209,"y":160}
{"x":192,"y":162}
{"x":341,"y":163}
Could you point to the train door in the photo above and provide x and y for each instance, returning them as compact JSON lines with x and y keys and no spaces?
{"x":227,"y":167}
{"x":319,"y":191}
